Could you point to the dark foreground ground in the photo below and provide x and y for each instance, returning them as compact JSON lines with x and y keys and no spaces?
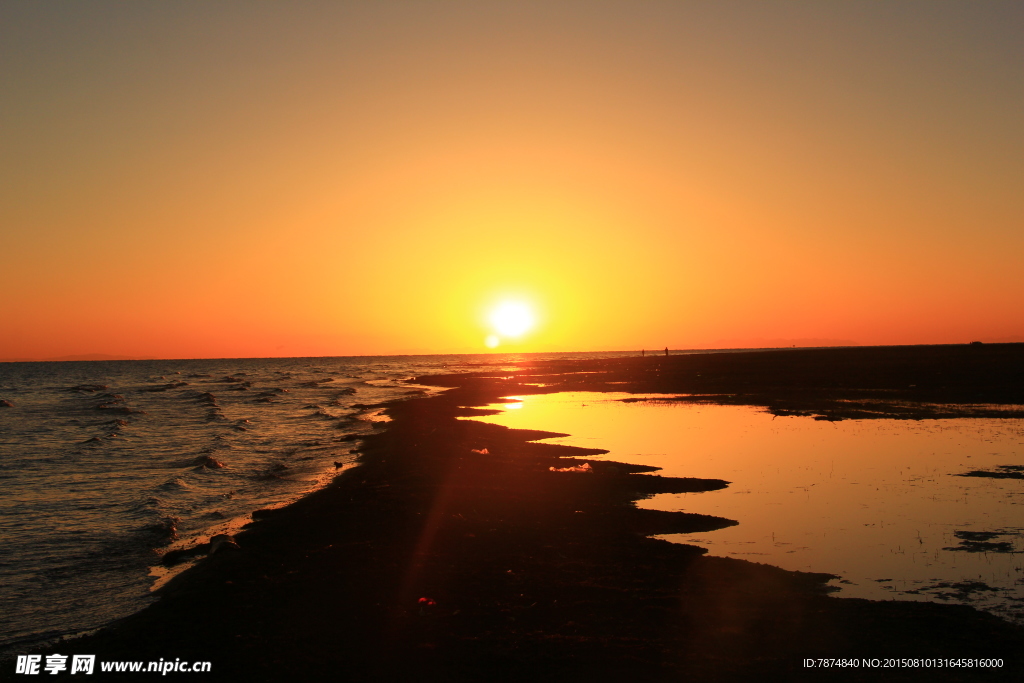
{"x":454,"y":553}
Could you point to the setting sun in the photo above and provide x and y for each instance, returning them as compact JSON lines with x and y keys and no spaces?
{"x":512,"y":319}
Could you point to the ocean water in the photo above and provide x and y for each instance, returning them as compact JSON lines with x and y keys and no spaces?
{"x":881,"y":504}
{"x":107,"y":465}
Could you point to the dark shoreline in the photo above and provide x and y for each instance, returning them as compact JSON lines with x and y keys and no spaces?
{"x":532,"y":573}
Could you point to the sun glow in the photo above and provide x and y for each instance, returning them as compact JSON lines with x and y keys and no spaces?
{"x":512,"y":319}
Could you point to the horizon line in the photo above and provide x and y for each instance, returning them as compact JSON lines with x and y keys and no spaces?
{"x":654,"y":351}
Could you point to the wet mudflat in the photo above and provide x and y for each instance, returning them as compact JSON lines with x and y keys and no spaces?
{"x":881,"y":503}
{"x":455,"y":552}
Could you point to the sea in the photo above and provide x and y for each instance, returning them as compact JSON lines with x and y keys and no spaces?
{"x":106,"y":466}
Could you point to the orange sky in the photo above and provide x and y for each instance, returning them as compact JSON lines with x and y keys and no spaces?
{"x":232,"y":179}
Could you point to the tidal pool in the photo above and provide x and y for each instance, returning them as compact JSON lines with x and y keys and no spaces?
{"x":876,"y":502}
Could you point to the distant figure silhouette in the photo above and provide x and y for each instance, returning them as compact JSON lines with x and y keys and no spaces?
{"x":666,"y":350}
{"x":643,"y":353}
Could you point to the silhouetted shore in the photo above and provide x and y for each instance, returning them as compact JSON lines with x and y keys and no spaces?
{"x":456,"y":553}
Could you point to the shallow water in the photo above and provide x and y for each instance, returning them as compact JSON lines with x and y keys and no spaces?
{"x":875,"y":502}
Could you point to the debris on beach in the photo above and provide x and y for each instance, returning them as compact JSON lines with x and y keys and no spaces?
{"x":425,"y":604}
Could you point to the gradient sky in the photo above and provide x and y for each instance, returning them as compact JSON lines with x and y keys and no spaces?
{"x":227,"y":179}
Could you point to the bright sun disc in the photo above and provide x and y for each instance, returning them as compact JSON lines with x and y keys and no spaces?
{"x":512,"y":319}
